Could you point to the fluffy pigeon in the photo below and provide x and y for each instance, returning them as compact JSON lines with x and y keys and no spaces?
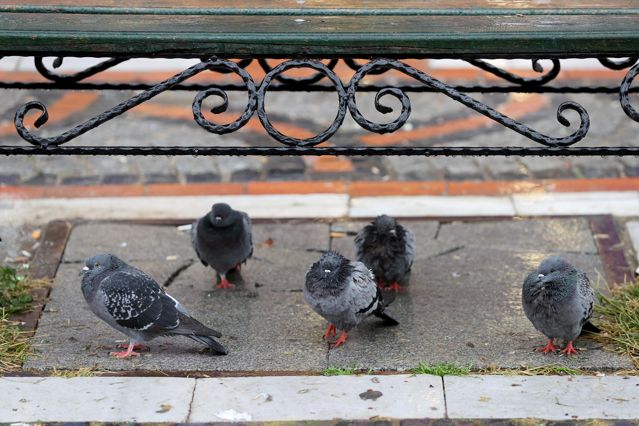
{"x":132,"y":302}
{"x":344,"y":293}
{"x":388,"y":249}
{"x":558,"y":300}
{"x":222,"y":239}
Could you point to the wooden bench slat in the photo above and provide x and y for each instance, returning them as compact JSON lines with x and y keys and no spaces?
{"x":285,"y":35}
{"x":524,"y":6}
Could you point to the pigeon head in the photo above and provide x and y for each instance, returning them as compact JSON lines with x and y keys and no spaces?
{"x":553,"y":267}
{"x":331,"y":271}
{"x":554,"y":276}
{"x":222,"y":215}
{"x":100,"y":263}
{"x":386,"y":226}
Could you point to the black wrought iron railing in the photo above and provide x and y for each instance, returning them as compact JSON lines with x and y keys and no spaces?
{"x":323,"y":78}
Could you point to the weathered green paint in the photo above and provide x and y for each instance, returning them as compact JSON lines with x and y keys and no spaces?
{"x":102,"y":30}
{"x":105,"y":10}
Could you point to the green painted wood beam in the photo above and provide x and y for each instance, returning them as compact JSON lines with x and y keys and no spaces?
{"x":312,"y":34}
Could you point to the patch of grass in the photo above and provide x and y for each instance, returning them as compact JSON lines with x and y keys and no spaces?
{"x":339,"y":371}
{"x":15,"y":296}
{"x":82,"y":372}
{"x":618,"y":319}
{"x":551,"y":370}
{"x":14,"y":344}
{"x":441,"y":369}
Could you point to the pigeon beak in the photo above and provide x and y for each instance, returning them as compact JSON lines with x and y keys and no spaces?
{"x":327,"y":271}
{"x":84,"y":270}
{"x":393,"y":232}
{"x":218,"y":218}
{"x":540,"y":276}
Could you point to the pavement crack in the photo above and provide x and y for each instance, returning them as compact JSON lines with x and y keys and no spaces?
{"x":445,"y":401}
{"x":446,"y":252}
{"x":439,"y":227}
{"x":188,"y":414}
{"x":177,"y":272}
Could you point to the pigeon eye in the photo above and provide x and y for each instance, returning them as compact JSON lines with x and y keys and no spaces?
{"x":97,"y":264}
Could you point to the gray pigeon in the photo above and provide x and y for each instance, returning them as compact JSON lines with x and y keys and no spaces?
{"x":222,"y":239}
{"x":558,"y":300}
{"x":132,"y":302}
{"x":388,"y":249}
{"x":344,"y":293}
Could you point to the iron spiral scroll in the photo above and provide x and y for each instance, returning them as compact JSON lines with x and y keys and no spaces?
{"x":347,"y":102}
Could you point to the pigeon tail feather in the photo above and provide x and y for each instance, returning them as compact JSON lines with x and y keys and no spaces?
{"x":210,"y":342}
{"x":590,"y":327}
{"x":388,"y":320}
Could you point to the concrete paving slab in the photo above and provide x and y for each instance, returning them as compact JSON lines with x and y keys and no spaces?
{"x":431,"y":206}
{"x":129,"y":242}
{"x":95,"y":399}
{"x":465,"y":308}
{"x":550,"y":235}
{"x":622,"y":203}
{"x":318,"y":398}
{"x":265,"y":322}
{"x":462,"y":306}
{"x":551,"y":398}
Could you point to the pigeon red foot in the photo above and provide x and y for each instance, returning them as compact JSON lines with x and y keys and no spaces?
{"x":224,"y":284}
{"x":136,"y":347}
{"x":550,"y":347}
{"x":126,"y":354}
{"x":396,"y":287}
{"x":340,"y":340}
{"x":569,"y":349}
{"x":331,"y":330}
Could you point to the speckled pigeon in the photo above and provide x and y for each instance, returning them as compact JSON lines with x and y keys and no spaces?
{"x":388,"y":249}
{"x":132,"y":302}
{"x":222,"y":239}
{"x":344,"y":293}
{"x":558,"y":300}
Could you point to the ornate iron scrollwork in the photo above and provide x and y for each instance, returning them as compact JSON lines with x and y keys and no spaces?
{"x":617,"y":64}
{"x":459,"y":97}
{"x":346,"y":92}
{"x":522,"y":81}
{"x":624,"y":96}
{"x":72,"y":78}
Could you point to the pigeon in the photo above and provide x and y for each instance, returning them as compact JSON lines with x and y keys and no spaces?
{"x":558,"y":300}
{"x":344,"y":293}
{"x":388,"y":249}
{"x":132,"y":302}
{"x":222,"y":239}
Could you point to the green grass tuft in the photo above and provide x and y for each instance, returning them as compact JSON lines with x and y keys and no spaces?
{"x":339,"y":371}
{"x":441,"y":369}
{"x":14,"y":344}
{"x":618,"y":319}
{"x":15,"y":295}
{"x":551,"y":370}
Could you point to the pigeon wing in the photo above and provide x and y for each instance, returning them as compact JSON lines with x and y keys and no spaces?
{"x":364,"y":296}
{"x":409,"y":256}
{"x":249,"y":233}
{"x":137,"y":302}
{"x":194,"y":242}
{"x":586,"y":296}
